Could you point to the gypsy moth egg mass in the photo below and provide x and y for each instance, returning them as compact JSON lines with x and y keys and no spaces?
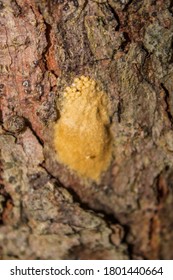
{"x":82,"y":138}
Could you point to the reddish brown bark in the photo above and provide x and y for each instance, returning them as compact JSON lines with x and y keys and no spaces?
{"x":50,"y":212}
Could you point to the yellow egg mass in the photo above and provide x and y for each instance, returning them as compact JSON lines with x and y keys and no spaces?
{"x":82,"y":136}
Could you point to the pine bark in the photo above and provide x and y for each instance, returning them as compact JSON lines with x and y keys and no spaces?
{"x":46,"y":212}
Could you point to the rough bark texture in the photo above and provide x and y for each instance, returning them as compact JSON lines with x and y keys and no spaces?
{"x":45,"y":211}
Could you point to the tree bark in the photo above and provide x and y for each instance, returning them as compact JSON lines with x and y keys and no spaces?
{"x":46,"y":211}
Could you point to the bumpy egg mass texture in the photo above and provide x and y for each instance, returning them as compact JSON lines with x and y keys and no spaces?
{"x":82,"y":137}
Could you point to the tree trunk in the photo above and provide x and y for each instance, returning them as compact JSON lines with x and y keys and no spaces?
{"x":47,"y":211}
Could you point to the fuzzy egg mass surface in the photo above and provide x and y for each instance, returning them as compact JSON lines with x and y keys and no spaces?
{"x":82,"y":136}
